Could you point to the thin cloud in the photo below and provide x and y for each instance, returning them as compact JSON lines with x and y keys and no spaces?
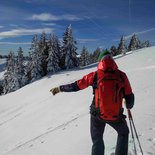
{"x":51,"y":17}
{"x":23,"y":32}
{"x":13,"y":25}
{"x":82,"y":41}
{"x":29,"y":1}
{"x":146,"y":31}
{"x":1,"y":26}
{"x":15,"y":43}
{"x":49,"y":24}
{"x":139,"y":33}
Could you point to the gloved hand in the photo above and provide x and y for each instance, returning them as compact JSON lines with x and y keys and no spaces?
{"x":55,"y":90}
{"x":129,"y":99}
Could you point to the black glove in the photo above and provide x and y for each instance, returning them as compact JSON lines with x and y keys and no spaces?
{"x":129,"y":100}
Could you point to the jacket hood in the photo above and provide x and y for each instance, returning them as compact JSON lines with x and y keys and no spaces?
{"x":107,"y":63}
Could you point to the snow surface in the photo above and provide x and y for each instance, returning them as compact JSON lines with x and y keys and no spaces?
{"x":33,"y":122}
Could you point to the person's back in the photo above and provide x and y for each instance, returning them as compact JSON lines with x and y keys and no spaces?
{"x":110,"y":86}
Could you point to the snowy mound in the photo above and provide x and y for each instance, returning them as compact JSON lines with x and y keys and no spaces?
{"x":33,"y":122}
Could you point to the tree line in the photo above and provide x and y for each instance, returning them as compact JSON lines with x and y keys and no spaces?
{"x":45,"y":56}
{"x":87,"y":58}
{"x":50,"y":56}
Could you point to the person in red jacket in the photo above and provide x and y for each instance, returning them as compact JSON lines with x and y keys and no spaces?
{"x":101,"y":117}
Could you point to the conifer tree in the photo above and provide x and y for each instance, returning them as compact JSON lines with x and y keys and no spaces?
{"x":36,"y":59}
{"x":85,"y":57}
{"x":28,"y":68}
{"x":21,"y":68}
{"x":1,"y":87}
{"x":54,"y":54}
{"x":9,"y":74}
{"x":113,"y":50}
{"x":122,"y":48}
{"x":69,"y":56}
{"x":43,"y":49}
{"x":134,"y":43}
{"x":15,"y":83}
{"x":145,"y":44}
{"x":96,"y":54}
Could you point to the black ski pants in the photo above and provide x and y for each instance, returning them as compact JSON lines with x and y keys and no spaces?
{"x":97,"y":130}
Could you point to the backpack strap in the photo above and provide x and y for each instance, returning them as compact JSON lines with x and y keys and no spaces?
{"x":94,"y":85}
{"x":122,"y":80}
{"x":93,"y":110}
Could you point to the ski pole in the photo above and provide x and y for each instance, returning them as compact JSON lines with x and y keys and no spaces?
{"x":132,"y":134}
{"x":135,"y":131}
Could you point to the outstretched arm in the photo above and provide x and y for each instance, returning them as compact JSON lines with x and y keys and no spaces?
{"x":83,"y":83}
{"x":73,"y":87}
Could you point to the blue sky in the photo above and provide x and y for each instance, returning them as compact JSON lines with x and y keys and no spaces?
{"x":95,"y":23}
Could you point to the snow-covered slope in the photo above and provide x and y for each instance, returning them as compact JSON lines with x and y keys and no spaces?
{"x":33,"y":122}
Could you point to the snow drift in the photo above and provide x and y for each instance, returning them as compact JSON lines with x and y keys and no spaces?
{"x":33,"y":122}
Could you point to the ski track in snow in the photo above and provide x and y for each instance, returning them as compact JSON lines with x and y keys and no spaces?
{"x":49,"y":130}
{"x":18,"y":111}
{"x":6,"y":121}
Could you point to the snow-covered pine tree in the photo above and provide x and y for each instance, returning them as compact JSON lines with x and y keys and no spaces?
{"x":36,"y":59}
{"x":85,"y":57}
{"x":145,"y":44}
{"x":69,"y":56}
{"x":57,"y":49}
{"x":9,"y":74}
{"x":17,"y":78}
{"x":28,"y":68}
{"x":121,"y":47}
{"x":95,"y":55}
{"x":43,"y":48}
{"x":134,"y":43}
{"x":21,"y":68}
{"x":15,"y":83}
{"x":54,"y":54}
{"x":113,"y":50}
{"x":5,"y":84}
{"x":1,"y":87}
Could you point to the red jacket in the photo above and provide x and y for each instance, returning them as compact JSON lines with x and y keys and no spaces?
{"x":87,"y":80}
